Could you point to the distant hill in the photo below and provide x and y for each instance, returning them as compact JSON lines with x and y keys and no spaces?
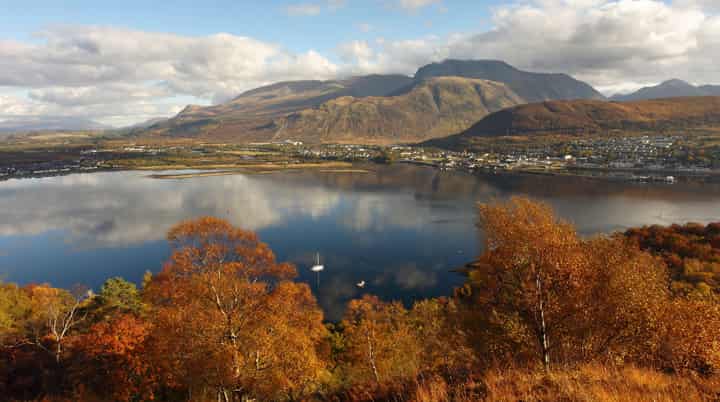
{"x":433,"y":108}
{"x":374,"y":108}
{"x":669,"y":89}
{"x":591,"y":116}
{"x":288,"y":97}
{"x":533,"y":87}
{"x":146,"y":123}
{"x":20,"y":125}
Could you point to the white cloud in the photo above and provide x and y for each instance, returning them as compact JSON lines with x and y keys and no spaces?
{"x":101,"y":94}
{"x":413,"y":5}
{"x":312,"y":9}
{"x":97,"y":210}
{"x":96,"y":66}
{"x":304,"y":9}
{"x":611,"y":44}
{"x":116,"y":113}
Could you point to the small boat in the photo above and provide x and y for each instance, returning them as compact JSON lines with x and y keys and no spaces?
{"x":317,"y":267}
{"x":361,"y":284}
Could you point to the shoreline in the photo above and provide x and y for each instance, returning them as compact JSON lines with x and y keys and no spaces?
{"x":342,"y":167}
{"x":329,"y":167}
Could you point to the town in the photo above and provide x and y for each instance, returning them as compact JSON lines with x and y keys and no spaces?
{"x":633,"y":157}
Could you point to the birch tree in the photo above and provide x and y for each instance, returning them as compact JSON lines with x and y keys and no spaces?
{"x":228,"y":319}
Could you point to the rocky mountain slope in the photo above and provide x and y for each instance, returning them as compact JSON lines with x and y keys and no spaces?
{"x":533,"y":87}
{"x":582,"y":117}
{"x":434,"y":108}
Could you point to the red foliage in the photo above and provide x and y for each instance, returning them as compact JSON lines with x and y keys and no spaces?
{"x":110,"y":359}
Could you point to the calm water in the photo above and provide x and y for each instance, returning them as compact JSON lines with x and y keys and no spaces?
{"x":400,"y":228}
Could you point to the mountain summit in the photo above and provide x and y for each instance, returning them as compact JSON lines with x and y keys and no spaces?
{"x":533,"y":87}
{"x":669,"y":89}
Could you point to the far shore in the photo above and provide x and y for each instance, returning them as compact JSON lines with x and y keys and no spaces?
{"x":264,"y":168}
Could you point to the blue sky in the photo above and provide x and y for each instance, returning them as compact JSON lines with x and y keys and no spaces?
{"x":268,"y":21}
{"x":123,"y":62}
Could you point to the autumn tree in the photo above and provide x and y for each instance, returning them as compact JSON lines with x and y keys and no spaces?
{"x":541,"y":290}
{"x":443,"y":342}
{"x":532,"y":263}
{"x":110,"y":359}
{"x":14,"y":312}
{"x":36,"y":324}
{"x":228,"y":319}
{"x":55,"y":313}
{"x":692,"y":253}
{"x":689,"y":337}
{"x":621,"y":304}
{"x":381,"y":345}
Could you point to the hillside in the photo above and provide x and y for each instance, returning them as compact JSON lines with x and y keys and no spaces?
{"x":287,"y":97}
{"x":433,"y":108}
{"x":591,"y":116}
{"x":669,"y":89}
{"x":533,"y":87}
{"x":374,"y":108}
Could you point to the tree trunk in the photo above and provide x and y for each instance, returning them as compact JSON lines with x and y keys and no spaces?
{"x":543,"y":330}
{"x":58,"y":351}
{"x":223,"y":395}
{"x":371,"y":357}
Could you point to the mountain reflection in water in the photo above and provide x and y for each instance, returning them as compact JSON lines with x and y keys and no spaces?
{"x":400,"y":228}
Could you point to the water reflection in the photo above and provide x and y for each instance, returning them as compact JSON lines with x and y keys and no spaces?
{"x":399,"y":228}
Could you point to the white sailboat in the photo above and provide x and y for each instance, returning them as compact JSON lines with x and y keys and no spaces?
{"x":317,"y":268}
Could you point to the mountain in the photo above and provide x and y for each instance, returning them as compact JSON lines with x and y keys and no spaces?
{"x":288,"y":97}
{"x":710,"y":90}
{"x":146,"y":123}
{"x":669,"y":89}
{"x":48,"y":123}
{"x":591,"y":116}
{"x":249,"y":117}
{"x":374,"y":108}
{"x":533,"y":87}
{"x":433,"y":108}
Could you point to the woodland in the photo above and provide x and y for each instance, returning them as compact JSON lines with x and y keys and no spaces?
{"x":544,"y":314}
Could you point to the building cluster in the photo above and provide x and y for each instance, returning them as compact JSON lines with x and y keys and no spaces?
{"x":631,"y":154}
{"x":50,"y":168}
{"x":662,"y":154}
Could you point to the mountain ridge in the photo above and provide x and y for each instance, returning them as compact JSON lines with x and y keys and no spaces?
{"x":271,"y":112}
{"x":581,"y":117}
{"x":32,"y":124}
{"x":533,"y":87}
{"x":432,"y":108}
{"x":671,"y":88}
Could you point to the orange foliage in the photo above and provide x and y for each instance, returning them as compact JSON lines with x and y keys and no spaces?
{"x":110,"y":359}
{"x":228,"y":321}
{"x":540,"y":293}
{"x":692,"y":252}
{"x":224,"y":321}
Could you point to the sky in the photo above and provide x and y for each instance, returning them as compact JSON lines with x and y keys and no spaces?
{"x":120,"y":63}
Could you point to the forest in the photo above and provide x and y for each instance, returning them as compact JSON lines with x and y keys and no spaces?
{"x":544,"y":314}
